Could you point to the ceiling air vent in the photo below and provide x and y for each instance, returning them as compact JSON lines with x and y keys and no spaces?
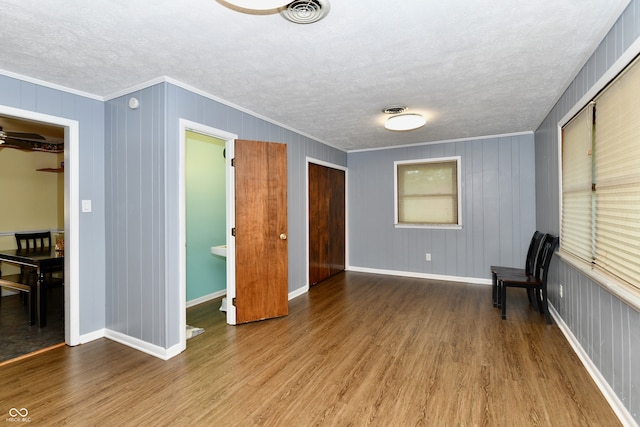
{"x":306,"y":12}
{"x":394,"y":109}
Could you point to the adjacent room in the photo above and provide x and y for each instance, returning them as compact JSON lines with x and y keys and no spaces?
{"x":267,"y":212}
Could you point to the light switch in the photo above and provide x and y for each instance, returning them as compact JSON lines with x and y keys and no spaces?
{"x":86,"y":206}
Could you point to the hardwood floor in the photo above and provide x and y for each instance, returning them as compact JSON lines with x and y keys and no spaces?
{"x":358,"y":349}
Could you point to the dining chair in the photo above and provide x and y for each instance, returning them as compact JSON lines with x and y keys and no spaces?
{"x":38,"y":240}
{"x":536,"y":284}
{"x":23,"y":283}
{"x":529,"y":266}
{"x":33,"y":240}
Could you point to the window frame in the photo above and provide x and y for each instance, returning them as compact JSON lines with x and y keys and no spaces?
{"x":622,"y":289}
{"x":454,"y":226}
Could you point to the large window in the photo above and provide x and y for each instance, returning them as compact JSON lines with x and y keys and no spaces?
{"x":428,"y":192}
{"x":601,"y":180}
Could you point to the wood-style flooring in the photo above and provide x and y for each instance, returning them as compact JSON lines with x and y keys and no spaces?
{"x":358,"y":349}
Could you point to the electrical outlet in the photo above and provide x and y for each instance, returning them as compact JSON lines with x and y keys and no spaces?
{"x":561,"y":292}
{"x":428,"y":257}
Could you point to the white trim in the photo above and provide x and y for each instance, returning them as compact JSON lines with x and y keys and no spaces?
{"x":50,"y":85}
{"x":183,"y":126}
{"x":440,"y":277}
{"x":71,"y":214}
{"x":205,"y":298}
{"x":346,"y":210}
{"x":614,"y":401}
{"x":166,"y":79}
{"x":625,"y":59}
{"x":92,"y":336}
{"x":300,"y":291}
{"x":609,"y":283}
{"x":144,"y":346}
{"x":443,"y":141}
{"x":458,"y":160}
{"x":612,"y":285}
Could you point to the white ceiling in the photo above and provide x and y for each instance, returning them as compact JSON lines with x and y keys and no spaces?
{"x":473,"y":67}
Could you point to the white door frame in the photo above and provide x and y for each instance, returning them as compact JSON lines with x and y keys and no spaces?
{"x":71,"y":215}
{"x":229,"y":138}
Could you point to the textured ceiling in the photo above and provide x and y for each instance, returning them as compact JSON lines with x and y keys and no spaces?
{"x":473,"y":67}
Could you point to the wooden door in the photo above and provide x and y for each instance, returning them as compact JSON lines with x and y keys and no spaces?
{"x":326,"y":222}
{"x":261,"y":230}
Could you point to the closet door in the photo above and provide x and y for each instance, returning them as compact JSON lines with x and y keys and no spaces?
{"x":326,"y":222}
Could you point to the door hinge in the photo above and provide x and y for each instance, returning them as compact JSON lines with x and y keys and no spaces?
{"x":233,"y":162}
{"x":233,"y":302}
{"x":233,"y":232}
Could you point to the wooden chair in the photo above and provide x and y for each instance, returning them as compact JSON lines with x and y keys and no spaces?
{"x":33,"y":240}
{"x":536,"y":283}
{"x":24,"y":283}
{"x":529,"y":267}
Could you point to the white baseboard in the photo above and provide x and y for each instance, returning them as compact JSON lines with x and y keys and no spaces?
{"x":300,"y":291}
{"x":206,"y":298}
{"x":138,"y":344}
{"x":614,"y":401}
{"x":472,"y":280}
{"x":92,"y":336}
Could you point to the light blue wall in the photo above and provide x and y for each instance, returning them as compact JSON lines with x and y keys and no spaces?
{"x":142,"y":173}
{"x":205,"y":183}
{"x":607,"y":328}
{"x":90,"y":115}
{"x":498,"y":210}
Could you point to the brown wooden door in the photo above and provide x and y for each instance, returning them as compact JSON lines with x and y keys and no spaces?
{"x":261,"y":230}
{"x":326,"y":222}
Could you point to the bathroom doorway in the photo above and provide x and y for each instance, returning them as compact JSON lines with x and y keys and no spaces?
{"x":205,"y":198}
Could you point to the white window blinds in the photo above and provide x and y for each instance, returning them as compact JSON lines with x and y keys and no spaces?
{"x":577,"y":185}
{"x":617,"y":176}
{"x":427,"y":192}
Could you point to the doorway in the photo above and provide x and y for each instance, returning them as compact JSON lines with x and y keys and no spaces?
{"x":205,"y":188}
{"x":71,"y":209}
{"x":185,"y":127}
{"x":326,"y":220}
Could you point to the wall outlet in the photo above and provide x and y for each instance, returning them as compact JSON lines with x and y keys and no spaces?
{"x":561,"y":292}
{"x":428,"y":257}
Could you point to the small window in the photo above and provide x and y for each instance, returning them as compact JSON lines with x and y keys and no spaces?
{"x":428,"y":193}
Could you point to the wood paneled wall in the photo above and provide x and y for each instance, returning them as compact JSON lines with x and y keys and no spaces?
{"x":607,"y":329}
{"x":143,"y":200}
{"x":498,"y":205}
{"x":89,"y":113}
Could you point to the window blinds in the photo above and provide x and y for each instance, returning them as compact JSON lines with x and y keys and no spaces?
{"x":617,"y":176}
{"x":576,"y":185}
{"x":428,"y":193}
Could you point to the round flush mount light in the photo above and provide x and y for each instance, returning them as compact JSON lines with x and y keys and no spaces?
{"x":259,"y":4}
{"x":402,"y":122}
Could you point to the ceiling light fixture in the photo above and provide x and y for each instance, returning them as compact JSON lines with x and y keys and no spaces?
{"x":258,"y":4}
{"x":405,"y":122}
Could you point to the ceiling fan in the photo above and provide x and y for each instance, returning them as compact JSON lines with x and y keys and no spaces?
{"x":28,"y":141}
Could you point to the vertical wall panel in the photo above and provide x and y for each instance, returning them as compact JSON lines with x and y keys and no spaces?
{"x":143,"y":189}
{"x":487,"y":172}
{"x":605,"y":327}
{"x":90,"y":115}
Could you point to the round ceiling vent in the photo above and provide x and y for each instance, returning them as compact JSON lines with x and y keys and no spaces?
{"x":306,"y":11}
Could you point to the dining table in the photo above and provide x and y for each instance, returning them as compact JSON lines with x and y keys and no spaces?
{"x":44,"y":261}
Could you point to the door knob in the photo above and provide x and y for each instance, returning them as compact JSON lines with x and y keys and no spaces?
{"x":283,"y":236}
